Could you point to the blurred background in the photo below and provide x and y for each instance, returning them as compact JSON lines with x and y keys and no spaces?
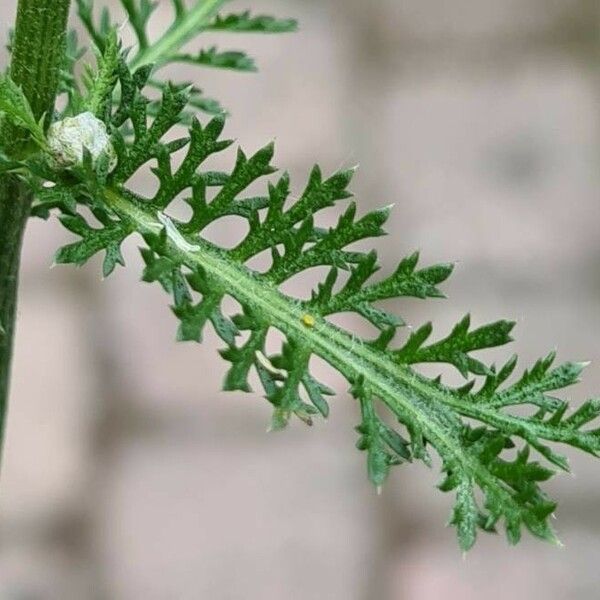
{"x":128,"y":475}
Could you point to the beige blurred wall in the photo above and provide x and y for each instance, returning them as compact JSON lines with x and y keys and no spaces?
{"x":128,"y":475}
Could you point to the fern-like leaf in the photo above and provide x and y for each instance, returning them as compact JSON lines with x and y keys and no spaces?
{"x":188,"y":23}
{"x":483,"y":444}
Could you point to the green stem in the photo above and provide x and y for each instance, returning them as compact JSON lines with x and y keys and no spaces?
{"x":14,"y":210}
{"x":37,"y":56}
{"x":183,"y":30}
{"x":38,"y":51}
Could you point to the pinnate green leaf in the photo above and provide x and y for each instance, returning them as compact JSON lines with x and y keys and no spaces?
{"x":494,"y":459}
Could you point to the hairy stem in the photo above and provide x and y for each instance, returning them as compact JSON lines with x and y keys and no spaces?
{"x":14,"y":210}
{"x":183,"y":30}
{"x":37,"y":55}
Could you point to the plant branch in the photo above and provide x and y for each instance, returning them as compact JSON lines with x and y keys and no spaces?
{"x":37,"y":56}
{"x":185,"y":27}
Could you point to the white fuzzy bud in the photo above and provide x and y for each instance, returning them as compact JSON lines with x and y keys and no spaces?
{"x":68,"y":138}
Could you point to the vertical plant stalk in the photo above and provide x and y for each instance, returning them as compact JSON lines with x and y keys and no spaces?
{"x":37,"y":57}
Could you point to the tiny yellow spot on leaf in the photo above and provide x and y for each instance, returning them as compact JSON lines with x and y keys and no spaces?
{"x":308,"y":320}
